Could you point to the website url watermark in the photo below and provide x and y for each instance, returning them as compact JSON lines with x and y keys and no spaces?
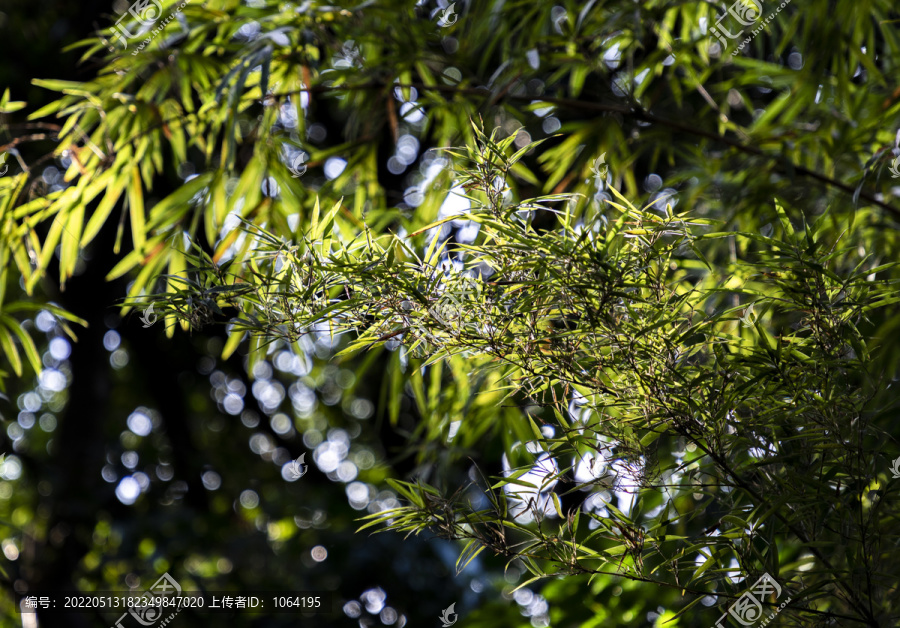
{"x":748,"y":609}
{"x":747,"y":13}
{"x":146,"y":13}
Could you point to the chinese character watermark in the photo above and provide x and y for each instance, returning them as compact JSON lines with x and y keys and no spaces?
{"x":600,"y":167}
{"x":445,"y":617}
{"x":146,"y":13}
{"x":149,"y":317}
{"x":298,"y":167}
{"x":150,"y":613}
{"x":895,"y":469}
{"x":748,"y":609}
{"x":747,"y":13}
{"x":448,"y":17}
{"x":450,"y":309}
{"x":297,"y":469}
{"x":894,"y":168}
{"x":749,"y":317}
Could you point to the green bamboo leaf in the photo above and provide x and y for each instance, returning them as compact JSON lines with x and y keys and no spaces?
{"x":557,"y":506}
{"x":54,"y":235}
{"x":10,"y":350}
{"x":529,"y":581}
{"x":709,"y":562}
{"x":406,"y":490}
{"x":104,"y":208}
{"x":70,"y":248}
{"x":31,"y":352}
{"x":382,"y":517}
{"x":326,"y":225}
{"x":785,"y":222}
{"x":136,"y":210}
{"x":234,"y":341}
{"x":175,"y":206}
{"x":61,"y":86}
{"x":470,"y":556}
{"x":46,"y":110}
